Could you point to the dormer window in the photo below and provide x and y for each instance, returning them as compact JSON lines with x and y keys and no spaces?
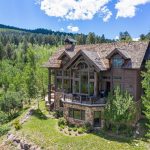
{"x":117,"y":61}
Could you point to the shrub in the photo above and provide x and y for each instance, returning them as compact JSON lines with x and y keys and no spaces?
{"x":69,"y":129}
{"x":58,"y":114}
{"x":62,"y":121}
{"x":3,"y":118}
{"x":62,"y":126}
{"x":75,"y":129}
{"x":87,"y":127}
{"x":17,"y":125}
{"x":81,"y":130}
{"x":4,"y":130}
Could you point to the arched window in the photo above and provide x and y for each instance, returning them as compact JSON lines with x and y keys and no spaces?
{"x":117,"y":61}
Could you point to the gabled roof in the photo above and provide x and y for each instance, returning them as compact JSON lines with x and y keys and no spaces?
{"x":121,"y":52}
{"x":92,"y":57}
{"x":98,"y":53}
{"x":64,"y":53}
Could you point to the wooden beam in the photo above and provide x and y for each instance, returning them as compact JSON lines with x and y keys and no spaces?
{"x":95,"y":84}
{"x":49,"y":85}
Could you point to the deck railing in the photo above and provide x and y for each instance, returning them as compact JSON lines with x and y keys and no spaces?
{"x":83,"y":99}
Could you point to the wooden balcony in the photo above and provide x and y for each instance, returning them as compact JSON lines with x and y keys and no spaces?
{"x":83,"y":100}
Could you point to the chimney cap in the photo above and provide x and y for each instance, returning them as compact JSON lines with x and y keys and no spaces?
{"x":70,"y":41}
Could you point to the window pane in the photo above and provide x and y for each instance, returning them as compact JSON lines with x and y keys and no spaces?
{"x":59,"y":73}
{"x":84,"y":83}
{"x":76,"y":74}
{"x":59,"y":83}
{"x":91,"y":75}
{"x":82,"y":114}
{"x":76,"y":86}
{"x":117,"y":61}
{"x":71,"y":112}
{"x":77,"y":114}
{"x":66,"y":73}
{"x":91,"y":88}
{"x":67,"y":85}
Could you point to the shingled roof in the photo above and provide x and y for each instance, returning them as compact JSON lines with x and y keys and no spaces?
{"x":98,"y":53}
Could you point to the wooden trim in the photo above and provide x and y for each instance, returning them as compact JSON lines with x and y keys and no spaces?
{"x":85,"y":56}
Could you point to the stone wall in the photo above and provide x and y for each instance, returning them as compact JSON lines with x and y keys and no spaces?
{"x":89,"y":113}
{"x":58,"y":96}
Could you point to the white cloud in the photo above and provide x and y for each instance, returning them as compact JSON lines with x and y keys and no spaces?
{"x":61,"y":29}
{"x":136,"y":39}
{"x":127,"y":8}
{"x":106,"y":14}
{"x":72,"y":28}
{"x":76,"y":9}
{"x":117,"y":37}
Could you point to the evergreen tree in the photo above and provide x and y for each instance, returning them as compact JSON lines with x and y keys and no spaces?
{"x":120,"y":108}
{"x":90,"y":38}
{"x":146,"y":96}
{"x":125,"y":36}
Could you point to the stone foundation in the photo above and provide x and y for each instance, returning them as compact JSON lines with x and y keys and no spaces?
{"x":89,"y":113}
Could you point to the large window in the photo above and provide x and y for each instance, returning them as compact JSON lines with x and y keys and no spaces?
{"x":59,"y":84}
{"x":59,"y":73}
{"x":77,"y":114}
{"x":82,"y":65}
{"x":84,"y":83}
{"x":91,"y":88}
{"x":117,"y":61}
{"x":76,"y":88}
{"x":67,"y":85}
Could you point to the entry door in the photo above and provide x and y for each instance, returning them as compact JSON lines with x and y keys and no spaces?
{"x":97,"y":119}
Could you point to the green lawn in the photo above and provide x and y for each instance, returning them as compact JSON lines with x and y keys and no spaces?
{"x":44,"y":132}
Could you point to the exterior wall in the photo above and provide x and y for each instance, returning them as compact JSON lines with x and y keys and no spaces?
{"x":129,"y":80}
{"x":89,"y":114}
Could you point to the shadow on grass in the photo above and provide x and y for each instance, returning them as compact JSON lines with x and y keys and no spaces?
{"x":38,"y":113}
{"x":110,"y":137}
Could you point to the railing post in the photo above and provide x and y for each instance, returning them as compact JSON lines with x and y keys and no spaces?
{"x":80,"y":99}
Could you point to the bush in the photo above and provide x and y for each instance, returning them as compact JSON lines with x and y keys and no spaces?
{"x":62,"y":121}
{"x":74,"y":129}
{"x":87,"y":127}
{"x":17,"y":125}
{"x":62,"y":126}
{"x":3,"y":118}
{"x":81,"y":130}
{"x":58,"y":114}
{"x":69,"y":129}
{"x":4,"y":130}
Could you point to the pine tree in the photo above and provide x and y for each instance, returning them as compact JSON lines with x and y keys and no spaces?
{"x":146,"y":96}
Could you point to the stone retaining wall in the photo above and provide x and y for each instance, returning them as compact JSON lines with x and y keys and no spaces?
{"x":89,"y":113}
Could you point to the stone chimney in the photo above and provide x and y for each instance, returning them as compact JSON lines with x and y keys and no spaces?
{"x":69,"y":44}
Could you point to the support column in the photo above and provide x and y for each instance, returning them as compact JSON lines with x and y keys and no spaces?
{"x":49,"y":85}
{"x":95,"y":84}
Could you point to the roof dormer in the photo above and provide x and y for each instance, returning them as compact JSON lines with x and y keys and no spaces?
{"x":118,"y":57}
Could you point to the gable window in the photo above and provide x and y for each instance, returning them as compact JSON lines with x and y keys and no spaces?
{"x":117,"y":61}
{"x":82,"y":65}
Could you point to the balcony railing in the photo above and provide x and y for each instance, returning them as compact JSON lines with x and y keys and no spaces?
{"x":83,"y":99}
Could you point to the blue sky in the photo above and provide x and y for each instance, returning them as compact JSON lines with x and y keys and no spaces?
{"x":107,"y":17}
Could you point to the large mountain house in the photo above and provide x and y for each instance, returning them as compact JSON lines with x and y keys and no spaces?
{"x":84,"y":75}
